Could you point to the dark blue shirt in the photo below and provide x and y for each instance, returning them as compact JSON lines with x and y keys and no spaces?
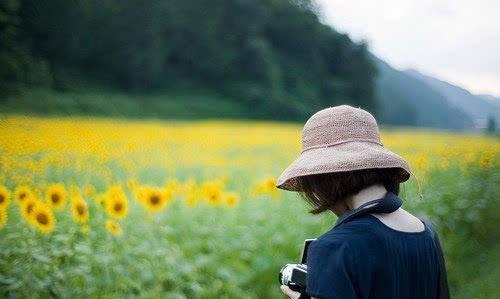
{"x":364,"y":258}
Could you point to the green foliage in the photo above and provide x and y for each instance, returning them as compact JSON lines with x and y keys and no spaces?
{"x":464,"y":208}
{"x":174,"y":104}
{"x":272,"y":55}
{"x":9,"y":64}
{"x":221,"y":252}
{"x":182,"y":253}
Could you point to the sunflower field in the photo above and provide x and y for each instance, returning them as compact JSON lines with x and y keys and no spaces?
{"x":114,"y":208}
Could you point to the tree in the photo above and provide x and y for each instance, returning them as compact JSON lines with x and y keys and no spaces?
{"x":491,"y":125}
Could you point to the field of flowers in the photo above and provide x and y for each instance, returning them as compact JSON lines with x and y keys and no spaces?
{"x":93,"y":208}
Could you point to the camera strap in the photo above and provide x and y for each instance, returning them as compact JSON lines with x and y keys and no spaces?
{"x":388,"y":204}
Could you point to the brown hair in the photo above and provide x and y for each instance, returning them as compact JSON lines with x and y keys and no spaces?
{"x":323,"y":191}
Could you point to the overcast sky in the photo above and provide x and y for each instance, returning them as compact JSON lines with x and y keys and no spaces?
{"x":455,"y":40}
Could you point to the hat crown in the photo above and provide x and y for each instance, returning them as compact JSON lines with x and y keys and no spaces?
{"x":339,"y":124}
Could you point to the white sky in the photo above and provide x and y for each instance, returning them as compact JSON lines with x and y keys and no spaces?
{"x":456,"y":40}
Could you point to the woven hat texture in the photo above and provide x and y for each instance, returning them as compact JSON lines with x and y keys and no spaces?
{"x":337,"y":139}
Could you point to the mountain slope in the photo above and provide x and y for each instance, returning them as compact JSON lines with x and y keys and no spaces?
{"x":405,"y":100}
{"x":489,"y":98}
{"x":478,"y":108}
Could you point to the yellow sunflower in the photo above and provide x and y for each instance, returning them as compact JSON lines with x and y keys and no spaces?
{"x":43,"y":218}
{"x":3,"y":217}
{"x":231,"y":199}
{"x":270,"y":184}
{"x":191,"y":192}
{"x":79,"y":209}
{"x":212,"y":192}
{"x":101,"y":199}
{"x":89,"y":190}
{"x":132,"y":184}
{"x":189,"y":187}
{"x":27,"y":208}
{"x":141,"y":193}
{"x":192,"y":199}
{"x":22,"y":193}
{"x":56,"y":196}
{"x":116,"y":203}
{"x":267,"y":187}
{"x":85,"y":229}
{"x":114,"y":228}
{"x":172,"y":185}
{"x":156,"y":199}
{"x":4,"y":197}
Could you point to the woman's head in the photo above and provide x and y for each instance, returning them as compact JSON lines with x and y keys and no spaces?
{"x":326,"y":191}
{"x":342,"y":139}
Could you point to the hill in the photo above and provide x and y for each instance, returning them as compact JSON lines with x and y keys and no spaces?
{"x":273,"y":57}
{"x":478,"y":108}
{"x":411,"y":102}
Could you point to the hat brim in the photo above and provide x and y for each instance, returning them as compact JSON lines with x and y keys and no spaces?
{"x":343,"y":157}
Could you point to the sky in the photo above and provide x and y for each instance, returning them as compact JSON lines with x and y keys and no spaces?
{"x":456,"y":40}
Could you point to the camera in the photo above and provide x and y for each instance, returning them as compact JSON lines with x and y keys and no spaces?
{"x":295,"y":275}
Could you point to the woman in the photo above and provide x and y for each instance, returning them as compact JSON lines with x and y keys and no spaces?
{"x":369,"y":253}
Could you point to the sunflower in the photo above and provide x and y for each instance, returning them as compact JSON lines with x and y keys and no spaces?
{"x":56,"y":196}
{"x":116,"y":203}
{"x":231,"y":199}
{"x":270,"y":184}
{"x":4,"y":197}
{"x":101,"y":199}
{"x":267,"y":186}
{"x":85,"y":229}
{"x":212,"y":192}
{"x":132,"y":184}
{"x":190,"y":191}
{"x":172,"y":185}
{"x":79,"y":209}
{"x":192,"y":199}
{"x":27,"y":208}
{"x":156,"y":199}
{"x":22,"y":193}
{"x":74,"y":191}
{"x":114,"y":228}
{"x":43,"y":218}
{"x":3,"y":217}
{"x":89,"y":190}
{"x":142,"y":193}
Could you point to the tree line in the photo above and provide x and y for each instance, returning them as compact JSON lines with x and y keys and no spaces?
{"x":273,"y":55}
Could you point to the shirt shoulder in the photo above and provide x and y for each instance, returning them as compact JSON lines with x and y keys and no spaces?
{"x":354,"y":234}
{"x":336,"y":261}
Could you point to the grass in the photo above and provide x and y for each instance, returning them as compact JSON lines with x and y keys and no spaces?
{"x":183,"y":104}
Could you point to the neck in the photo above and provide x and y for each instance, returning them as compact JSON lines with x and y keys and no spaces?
{"x":354,"y":201}
{"x":365,"y":195}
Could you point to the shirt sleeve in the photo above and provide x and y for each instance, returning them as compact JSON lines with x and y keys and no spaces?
{"x":330,"y":271}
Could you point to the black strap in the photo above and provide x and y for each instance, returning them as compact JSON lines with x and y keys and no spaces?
{"x":388,"y":204}
{"x":444,"y":291}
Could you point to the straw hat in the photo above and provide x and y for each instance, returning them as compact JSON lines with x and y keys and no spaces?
{"x":340,"y":138}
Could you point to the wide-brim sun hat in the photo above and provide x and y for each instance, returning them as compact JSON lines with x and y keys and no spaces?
{"x":340,"y":139}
